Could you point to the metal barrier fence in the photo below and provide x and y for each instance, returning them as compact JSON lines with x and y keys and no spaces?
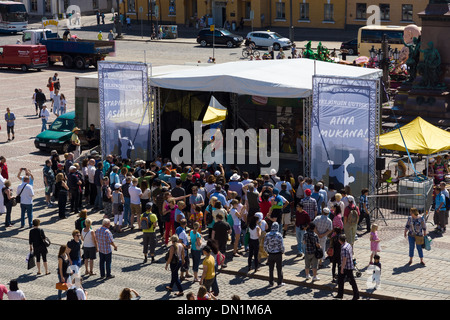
{"x":396,"y":206}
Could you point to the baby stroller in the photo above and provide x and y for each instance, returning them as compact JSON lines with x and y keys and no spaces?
{"x":358,"y":272}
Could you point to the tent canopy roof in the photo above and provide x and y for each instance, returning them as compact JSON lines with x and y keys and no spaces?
{"x":420,"y":137}
{"x":283,"y":78}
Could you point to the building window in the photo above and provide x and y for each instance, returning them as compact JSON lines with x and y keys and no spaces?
{"x":304,"y":11}
{"x":131,"y":5}
{"x":33,"y":6}
{"x":94,"y":4}
{"x":248,"y":8}
{"x":280,"y":11}
{"x":48,"y":6}
{"x":328,"y":12}
{"x":407,"y":12}
{"x":385,"y":12}
{"x":361,"y":9}
{"x":172,"y":8}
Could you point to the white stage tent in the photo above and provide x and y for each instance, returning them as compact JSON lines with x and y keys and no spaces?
{"x":284,"y":78}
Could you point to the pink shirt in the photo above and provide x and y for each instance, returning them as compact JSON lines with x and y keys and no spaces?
{"x":3,"y":291}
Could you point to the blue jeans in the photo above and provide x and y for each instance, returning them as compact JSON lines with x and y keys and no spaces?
{"x":98,"y":199}
{"x":77,"y":262}
{"x":105,"y":263}
{"x":412,"y":242}
{"x":44,"y":125}
{"x":28,"y":208}
{"x":126,"y":211}
{"x":175,"y":280}
{"x":61,"y":280}
{"x":299,"y":232}
{"x":196,"y":256}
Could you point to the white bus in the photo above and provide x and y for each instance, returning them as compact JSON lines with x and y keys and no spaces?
{"x":369,"y":36}
{"x":13,"y":17}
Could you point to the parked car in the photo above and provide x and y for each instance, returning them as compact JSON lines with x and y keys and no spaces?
{"x":351,"y":46}
{"x":57,"y":137}
{"x":23,"y":56}
{"x":221,"y":37}
{"x":269,"y":39}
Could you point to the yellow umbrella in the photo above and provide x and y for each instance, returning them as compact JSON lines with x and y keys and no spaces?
{"x":215,"y":112}
{"x":214,"y":115}
{"x":420,"y":137}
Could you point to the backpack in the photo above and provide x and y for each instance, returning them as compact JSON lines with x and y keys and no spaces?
{"x":175,"y":257}
{"x":353,"y":216}
{"x":145,"y":221}
{"x":447,"y":203}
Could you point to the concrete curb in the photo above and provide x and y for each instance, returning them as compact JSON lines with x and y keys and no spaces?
{"x":327,"y":287}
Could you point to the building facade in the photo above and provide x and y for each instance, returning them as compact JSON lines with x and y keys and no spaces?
{"x":256,"y":13}
{"x":399,"y":12}
{"x":54,"y":8}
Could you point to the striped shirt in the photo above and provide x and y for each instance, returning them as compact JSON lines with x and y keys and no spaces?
{"x":310,"y":206}
{"x":346,"y":251}
{"x":104,"y":239}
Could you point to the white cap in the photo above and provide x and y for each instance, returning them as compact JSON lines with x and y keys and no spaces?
{"x":217,"y":173}
{"x":350,"y":199}
{"x":273,"y":171}
{"x":72,"y":168}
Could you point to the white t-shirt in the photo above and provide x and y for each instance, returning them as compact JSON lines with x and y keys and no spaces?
{"x":56,"y":101}
{"x":253,"y":233}
{"x":88,"y":241}
{"x":45,"y":113}
{"x":26,"y":197}
{"x":91,"y":173}
{"x":135,"y":193}
{"x":236,"y":220}
{"x":288,"y":185}
{"x":16,"y":295}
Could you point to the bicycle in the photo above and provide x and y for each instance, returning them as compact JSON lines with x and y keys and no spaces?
{"x":250,"y":51}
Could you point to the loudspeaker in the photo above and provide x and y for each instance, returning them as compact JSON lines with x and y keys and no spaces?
{"x":380,"y":163}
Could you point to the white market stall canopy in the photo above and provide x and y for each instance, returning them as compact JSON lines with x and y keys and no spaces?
{"x":283,"y":78}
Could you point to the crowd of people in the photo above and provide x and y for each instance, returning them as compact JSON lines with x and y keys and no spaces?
{"x":57,"y":101}
{"x":198,"y":210}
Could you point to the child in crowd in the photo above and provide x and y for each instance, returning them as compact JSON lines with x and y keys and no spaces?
{"x":374,"y":242}
{"x":203,"y":294}
{"x":197,"y":216}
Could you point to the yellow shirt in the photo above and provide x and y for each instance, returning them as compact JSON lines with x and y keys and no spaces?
{"x":75,"y":138}
{"x":209,"y":262}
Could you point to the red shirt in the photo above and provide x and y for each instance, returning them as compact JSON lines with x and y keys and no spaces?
{"x":302,"y":218}
{"x":4,"y":170}
{"x":264,"y":207}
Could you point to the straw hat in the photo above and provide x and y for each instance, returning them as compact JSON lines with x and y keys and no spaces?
{"x":76,"y":129}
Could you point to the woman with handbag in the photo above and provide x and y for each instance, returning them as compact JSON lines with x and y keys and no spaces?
{"x":8,"y":202}
{"x":416,"y":230}
{"x":63,"y":275}
{"x":37,"y":245}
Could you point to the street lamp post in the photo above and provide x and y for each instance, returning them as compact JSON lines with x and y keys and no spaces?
{"x":291,"y":27}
